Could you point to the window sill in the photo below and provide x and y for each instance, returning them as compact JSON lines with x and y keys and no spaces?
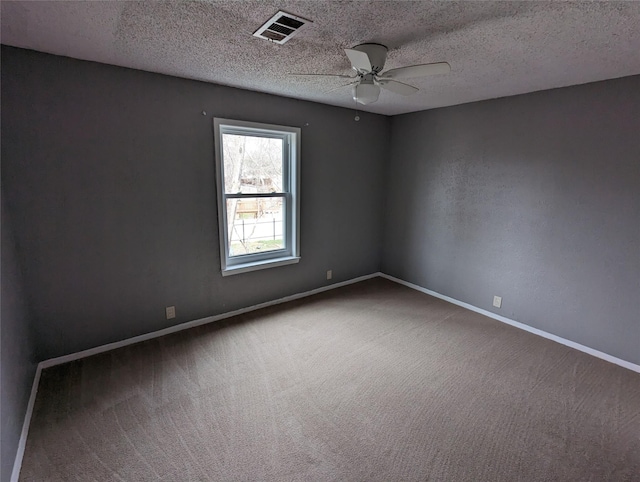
{"x":271,"y":263}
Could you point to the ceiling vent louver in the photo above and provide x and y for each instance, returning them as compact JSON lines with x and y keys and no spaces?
{"x":281,"y":27}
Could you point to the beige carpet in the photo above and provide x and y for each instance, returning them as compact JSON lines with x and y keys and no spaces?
{"x":371,"y":382}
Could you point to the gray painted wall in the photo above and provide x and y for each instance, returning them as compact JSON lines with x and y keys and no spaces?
{"x":16,"y":350}
{"x":535,"y":198}
{"x":109,"y":173}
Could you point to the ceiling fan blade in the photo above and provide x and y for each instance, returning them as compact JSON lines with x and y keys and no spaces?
{"x":328,"y":75}
{"x":398,"y":87}
{"x":339,"y":87}
{"x":413,"y":71}
{"x":359,"y":60}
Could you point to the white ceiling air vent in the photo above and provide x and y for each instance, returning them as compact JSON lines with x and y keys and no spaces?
{"x":281,"y":27}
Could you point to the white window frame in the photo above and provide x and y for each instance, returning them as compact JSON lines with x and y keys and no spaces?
{"x":231,"y":265}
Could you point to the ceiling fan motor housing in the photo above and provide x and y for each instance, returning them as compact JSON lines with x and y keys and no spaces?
{"x":377,"y":55}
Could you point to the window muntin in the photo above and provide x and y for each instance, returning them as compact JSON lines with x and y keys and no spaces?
{"x":258,"y":203}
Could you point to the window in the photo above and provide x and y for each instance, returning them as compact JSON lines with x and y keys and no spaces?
{"x":258,"y":177}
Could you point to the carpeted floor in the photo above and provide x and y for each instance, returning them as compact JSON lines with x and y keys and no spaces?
{"x":370,"y":382}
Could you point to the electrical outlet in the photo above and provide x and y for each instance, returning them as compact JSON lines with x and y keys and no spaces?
{"x":171,"y":312}
{"x":497,"y":301}
{"x":329,"y":274}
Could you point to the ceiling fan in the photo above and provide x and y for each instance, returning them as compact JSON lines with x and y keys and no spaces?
{"x":368,"y":61}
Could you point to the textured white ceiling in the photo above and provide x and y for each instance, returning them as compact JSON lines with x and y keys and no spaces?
{"x":495,"y":49}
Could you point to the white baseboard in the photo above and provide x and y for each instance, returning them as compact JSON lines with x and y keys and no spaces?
{"x":190,"y":324}
{"x":522,"y":326}
{"x":148,"y":336}
{"x":22,"y":443}
{"x":210,"y":319}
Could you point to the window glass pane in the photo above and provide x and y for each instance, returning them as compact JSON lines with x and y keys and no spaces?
{"x":255,"y":225}
{"x":252,"y":164}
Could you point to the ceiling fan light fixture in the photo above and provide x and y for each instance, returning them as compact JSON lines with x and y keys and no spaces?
{"x":365,"y":93}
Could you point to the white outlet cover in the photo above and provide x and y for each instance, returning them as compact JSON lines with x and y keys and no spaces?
{"x":171,"y":312}
{"x":497,"y":301}
{"x":329,"y":274}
